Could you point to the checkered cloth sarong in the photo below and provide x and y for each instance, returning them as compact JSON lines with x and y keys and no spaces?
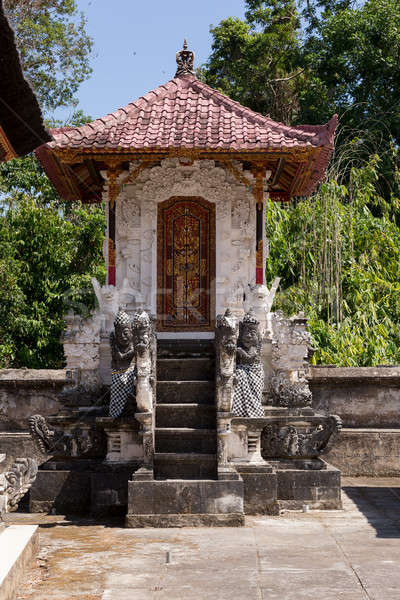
{"x":247,"y":398}
{"x":122,"y":389}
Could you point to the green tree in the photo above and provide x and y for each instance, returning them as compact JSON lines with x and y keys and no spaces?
{"x":54,"y":47}
{"x":46,"y":261}
{"x":48,"y":249}
{"x":351,"y":56}
{"x":302,"y":61}
{"x":340,"y":263}
{"x":256,"y":61}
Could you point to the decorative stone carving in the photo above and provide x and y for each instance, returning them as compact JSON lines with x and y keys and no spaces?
{"x":226,"y":335}
{"x":71,"y":441}
{"x":261,"y":299}
{"x":146,"y":356}
{"x":300,"y":439}
{"x":123,"y":374}
{"x":291,"y":348}
{"x":247,"y":400}
{"x":128,"y":216}
{"x":108,"y":299}
{"x":41,"y":434}
{"x":121,"y":342}
{"x":147,"y":432}
{"x":185,"y":61}
{"x":290,"y":389}
{"x":17,"y":481}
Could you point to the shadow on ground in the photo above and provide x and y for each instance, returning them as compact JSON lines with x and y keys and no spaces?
{"x":380,"y":505}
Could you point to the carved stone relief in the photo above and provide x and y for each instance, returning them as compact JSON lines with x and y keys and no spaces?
{"x":300,"y":439}
{"x":291,"y":348}
{"x":17,"y":481}
{"x":74,"y":440}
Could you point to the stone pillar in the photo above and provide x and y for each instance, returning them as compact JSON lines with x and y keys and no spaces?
{"x":113,"y":191}
{"x":260,"y":174}
{"x":144,"y":390}
{"x":146,"y":472}
{"x":260,"y":264}
{"x":225,"y":469}
{"x":226,"y":334}
{"x":124,"y":443}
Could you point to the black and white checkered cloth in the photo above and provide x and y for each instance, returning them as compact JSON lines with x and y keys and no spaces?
{"x":122,"y":389}
{"x":247,"y":398}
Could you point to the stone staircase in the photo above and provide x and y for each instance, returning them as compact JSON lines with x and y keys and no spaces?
{"x":185,"y":490}
{"x":185,"y":434}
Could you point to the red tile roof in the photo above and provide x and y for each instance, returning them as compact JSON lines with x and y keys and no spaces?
{"x":185,"y":114}
{"x":188,"y":113}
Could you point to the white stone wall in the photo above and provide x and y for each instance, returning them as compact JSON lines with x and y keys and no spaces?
{"x":81,"y":343}
{"x":136,"y":230}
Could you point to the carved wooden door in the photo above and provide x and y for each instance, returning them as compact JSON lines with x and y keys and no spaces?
{"x":186,"y":264}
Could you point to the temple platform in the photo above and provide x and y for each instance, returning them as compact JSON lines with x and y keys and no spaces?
{"x":351,"y":554}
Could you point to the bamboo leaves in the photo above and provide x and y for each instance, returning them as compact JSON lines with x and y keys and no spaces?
{"x":338,"y":255}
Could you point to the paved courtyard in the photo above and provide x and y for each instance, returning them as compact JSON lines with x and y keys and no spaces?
{"x":352,"y":554}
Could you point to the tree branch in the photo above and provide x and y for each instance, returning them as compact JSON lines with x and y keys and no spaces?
{"x":287,"y":78}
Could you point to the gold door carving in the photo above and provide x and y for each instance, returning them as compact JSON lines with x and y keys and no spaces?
{"x":186,"y":264}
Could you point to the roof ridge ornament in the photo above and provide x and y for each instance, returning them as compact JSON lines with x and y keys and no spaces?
{"x":185,"y":61}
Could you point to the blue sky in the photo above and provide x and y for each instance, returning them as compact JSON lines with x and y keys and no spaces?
{"x":135,"y":44}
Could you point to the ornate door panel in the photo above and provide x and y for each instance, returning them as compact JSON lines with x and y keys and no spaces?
{"x":186,"y":264}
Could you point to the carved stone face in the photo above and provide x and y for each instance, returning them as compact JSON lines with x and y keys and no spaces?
{"x":124,"y":336}
{"x":249,"y":338}
{"x":228,"y":342}
{"x":142,"y":341}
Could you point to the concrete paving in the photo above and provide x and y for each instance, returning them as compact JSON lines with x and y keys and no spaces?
{"x":352,"y":554}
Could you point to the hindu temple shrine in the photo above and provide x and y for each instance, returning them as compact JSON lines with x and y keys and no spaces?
{"x":188,"y":402}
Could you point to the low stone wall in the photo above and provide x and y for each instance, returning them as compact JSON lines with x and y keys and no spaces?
{"x":368,"y":401}
{"x":366,"y":398}
{"x":369,"y":452}
{"x":26,"y":392}
{"x":362,"y":397}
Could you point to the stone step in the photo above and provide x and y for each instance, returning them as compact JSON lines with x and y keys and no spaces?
{"x":185,"y":415}
{"x":185,"y":503}
{"x":185,"y":369}
{"x":185,"y":348}
{"x":172,"y":465}
{"x":185,"y":440}
{"x":202,"y":392}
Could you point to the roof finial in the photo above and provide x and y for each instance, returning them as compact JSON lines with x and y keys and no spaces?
{"x":184,"y":60}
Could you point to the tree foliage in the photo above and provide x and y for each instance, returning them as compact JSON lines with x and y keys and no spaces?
{"x":54,"y":47}
{"x":338,"y":254}
{"x":302,"y":61}
{"x":257,"y":61}
{"x":46,"y":261}
{"x":48,"y":249}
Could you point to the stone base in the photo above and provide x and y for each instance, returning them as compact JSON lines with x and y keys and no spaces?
{"x":64,"y":491}
{"x":109,"y":491}
{"x":260,"y":489}
{"x":19,"y":545}
{"x":313,"y":482}
{"x":181,"y":502}
{"x":96,"y":488}
{"x":187,"y":520}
